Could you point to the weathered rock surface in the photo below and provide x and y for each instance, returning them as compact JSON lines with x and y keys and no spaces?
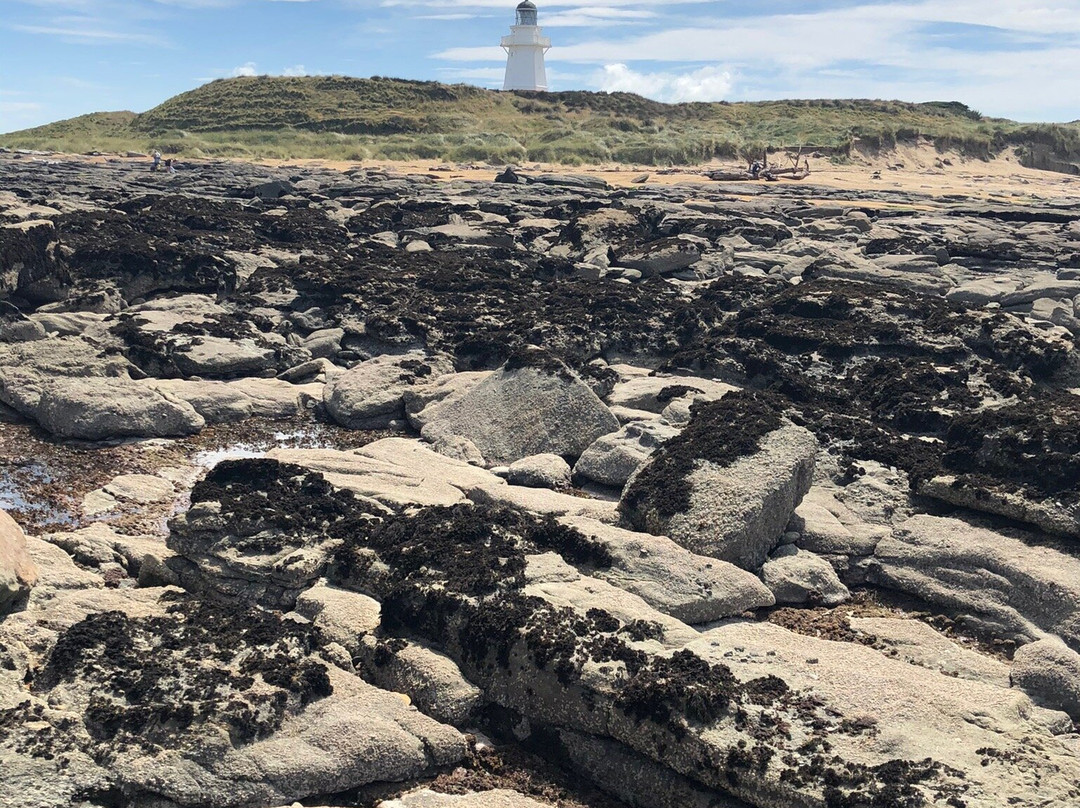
{"x":371,"y":394}
{"x":612,"y":459}
{"x":104,"y":408}
{"x":1049,"y":672}
{"x":395,"y":472}
{"x":224,"y":554}
{"x":540,"y":471}
{"x":266,"y":705}
{"x":918,"y":643}
{"x":18,"y":573}
{"x":526,"y":409}
{"x":799,"y":576}
{"x":692,"y":588}
{"x":1001,"y":584}
{"x":496,"y":798}
{"x":919,"y":355}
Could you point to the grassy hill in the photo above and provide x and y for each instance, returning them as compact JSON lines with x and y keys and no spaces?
{"x":337,"y":117}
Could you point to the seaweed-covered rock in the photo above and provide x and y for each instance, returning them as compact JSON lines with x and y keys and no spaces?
{"x":987,"y":462}
{"x":184,"y":704}
{"x":540,"y":644}
{"x":728,"y":484}
{"x":30,"y":267}
{"x":231,"y":549}
{"x":532,"y":405}
{"x":18,"y":573}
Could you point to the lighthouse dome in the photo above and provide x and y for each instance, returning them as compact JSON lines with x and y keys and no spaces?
{"x":526,"y":13}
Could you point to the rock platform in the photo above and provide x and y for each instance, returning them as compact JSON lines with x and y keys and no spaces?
{"x":358,"y":488}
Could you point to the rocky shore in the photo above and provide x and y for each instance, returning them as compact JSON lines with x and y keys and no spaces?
{"x":357,"y":488}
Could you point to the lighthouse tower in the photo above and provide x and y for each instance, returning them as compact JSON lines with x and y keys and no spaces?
{"x":525,"y":50}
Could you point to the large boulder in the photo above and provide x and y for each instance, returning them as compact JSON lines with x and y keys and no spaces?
{"x":18,"y":573}
{"x":424,"y":400}
{"x":106,"y":408}
{"x":532,"y":405}
{"x":727,"y":486}
{"x":371,"y":394}
{"x":798,"y":576}
{"x":612,"y":459}
{"x":1049,"y":672}
{"x":1003,"y":585}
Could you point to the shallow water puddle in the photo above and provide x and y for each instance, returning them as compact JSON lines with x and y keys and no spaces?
{"x":16,"y":486}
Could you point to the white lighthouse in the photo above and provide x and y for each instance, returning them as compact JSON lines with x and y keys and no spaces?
{"x":525,"y":50}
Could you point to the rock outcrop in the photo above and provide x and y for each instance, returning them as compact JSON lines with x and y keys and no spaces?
{"x":18,"y":573}
{"x":532,"y":405}
{"x":727,"y":486}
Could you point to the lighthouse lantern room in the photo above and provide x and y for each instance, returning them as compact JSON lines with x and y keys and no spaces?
{"x":525,"y":50}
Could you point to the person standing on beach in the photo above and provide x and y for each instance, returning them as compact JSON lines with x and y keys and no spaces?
{"x":157,"y":160}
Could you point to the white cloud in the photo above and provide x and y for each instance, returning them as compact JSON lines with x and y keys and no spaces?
{"x":708,"y":83}
{"x":246,"y":69}
{"x":16,"y":107}
{"x":461,"y":16}
{"x":90,"y":34}
{"x":596,"y":15}
{"x":296,"y":70}
{"x":17,"y":115}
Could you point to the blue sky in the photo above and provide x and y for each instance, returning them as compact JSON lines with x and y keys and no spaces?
{"x":1013,"y":58}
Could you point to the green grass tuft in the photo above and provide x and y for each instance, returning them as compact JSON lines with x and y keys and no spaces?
{"x":342,"y":118}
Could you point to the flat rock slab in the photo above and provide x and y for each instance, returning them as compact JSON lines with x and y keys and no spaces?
{"x":219,"y":357}
{"x":1001,"y":584}
{"x":496,"y":798}
{"x":914,"y":713}
{"x":1046,"y":513}
{"x":671,"y":579}
{"x":922,"y":645}
{"x":141,"y":488}
{"x":395,"y":472}
{"x":543,"y":501}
